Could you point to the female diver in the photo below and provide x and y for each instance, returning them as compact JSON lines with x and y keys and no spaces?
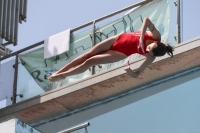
{"x":119,"y":47}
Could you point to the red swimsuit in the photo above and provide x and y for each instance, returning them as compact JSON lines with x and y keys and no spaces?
{"x":128,"y":43}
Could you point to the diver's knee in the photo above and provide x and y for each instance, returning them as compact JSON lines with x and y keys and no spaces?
{"x":87,"y":55}
{"x":89,"y":62}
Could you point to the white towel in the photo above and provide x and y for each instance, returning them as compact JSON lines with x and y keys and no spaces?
{"x":57,"y":44}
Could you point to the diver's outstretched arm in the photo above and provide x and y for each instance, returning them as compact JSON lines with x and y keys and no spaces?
{"x":135,"y":74}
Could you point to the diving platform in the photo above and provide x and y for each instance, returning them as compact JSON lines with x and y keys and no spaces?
{"x":102,"y":86}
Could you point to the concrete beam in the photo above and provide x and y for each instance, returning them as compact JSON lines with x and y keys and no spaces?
{"x":103,"y":86}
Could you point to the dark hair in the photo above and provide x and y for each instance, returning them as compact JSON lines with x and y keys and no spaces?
{"x":162,"y":49}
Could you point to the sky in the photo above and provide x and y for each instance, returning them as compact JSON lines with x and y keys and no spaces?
{"x":48,"y":17}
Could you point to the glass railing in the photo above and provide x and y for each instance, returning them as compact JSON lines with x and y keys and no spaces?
{"x":34,"y":70}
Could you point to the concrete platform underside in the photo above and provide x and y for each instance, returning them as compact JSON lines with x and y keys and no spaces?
{"x":103,"y":86}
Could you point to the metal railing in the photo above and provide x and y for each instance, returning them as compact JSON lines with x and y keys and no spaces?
{"x":85,"y":125}
{"x":72,"y":30}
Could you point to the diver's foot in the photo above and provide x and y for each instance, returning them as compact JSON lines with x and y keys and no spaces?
{"x":54,"y":78}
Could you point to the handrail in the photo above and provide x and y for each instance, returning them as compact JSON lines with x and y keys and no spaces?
{"x":75,"y":29}
{"x":76,"y":128}
{"x":22,"y":50}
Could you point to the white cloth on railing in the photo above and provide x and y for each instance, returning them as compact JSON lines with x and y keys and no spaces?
{"x":57,"y":44}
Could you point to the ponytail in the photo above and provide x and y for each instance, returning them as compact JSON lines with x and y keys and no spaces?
{"x":170,"y":50}
{"x":162,"y":49}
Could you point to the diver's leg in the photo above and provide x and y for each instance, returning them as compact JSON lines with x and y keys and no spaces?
{"x":107,"y":57}
{"x":101,"y":47}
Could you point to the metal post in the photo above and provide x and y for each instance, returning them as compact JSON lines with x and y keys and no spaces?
{"x":15,"y":80}
{"x":25,"y":10}
{"x":16,"y":22}
{"x":181,"y":12}
{"x":178,"y":23}
{"x":93,"y":43}
{"x":86,"y":131}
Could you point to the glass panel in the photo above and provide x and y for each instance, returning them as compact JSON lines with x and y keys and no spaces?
{"x":6,"y":81}
{"x":3,"y":103}
{"x":25,"y":84}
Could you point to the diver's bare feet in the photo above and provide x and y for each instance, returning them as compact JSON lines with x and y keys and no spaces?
{"x":55,"y":77}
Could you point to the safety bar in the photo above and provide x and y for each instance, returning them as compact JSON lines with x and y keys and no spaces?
{"x":76,"y":128}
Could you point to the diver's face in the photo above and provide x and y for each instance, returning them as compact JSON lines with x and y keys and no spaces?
{"x":150,"y":47}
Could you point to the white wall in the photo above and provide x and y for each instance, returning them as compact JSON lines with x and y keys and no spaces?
{"x":8,"y":126}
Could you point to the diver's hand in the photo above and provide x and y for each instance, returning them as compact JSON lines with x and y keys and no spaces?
{"x":127,"y":68}
{"x":141,"y":44}
{"x":129,"y":71}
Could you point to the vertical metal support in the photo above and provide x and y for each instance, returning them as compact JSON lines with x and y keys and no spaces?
{"x":25,"y":10}
{"x":21,"y":11}
{"x":93,"y":43}
{"x":16,"y":22}
{"x":7,"y":37}
{"x":1,"y":17}
{"x":4,"y":18}
{"x":178,"y":23}
{"x":12,"y":21}
{"x":15,"y":80}
{"x":86,"y":131}
{"x":181,"y":19}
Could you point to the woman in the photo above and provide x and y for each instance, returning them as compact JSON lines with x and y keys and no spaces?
{"x":119,"y":47}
